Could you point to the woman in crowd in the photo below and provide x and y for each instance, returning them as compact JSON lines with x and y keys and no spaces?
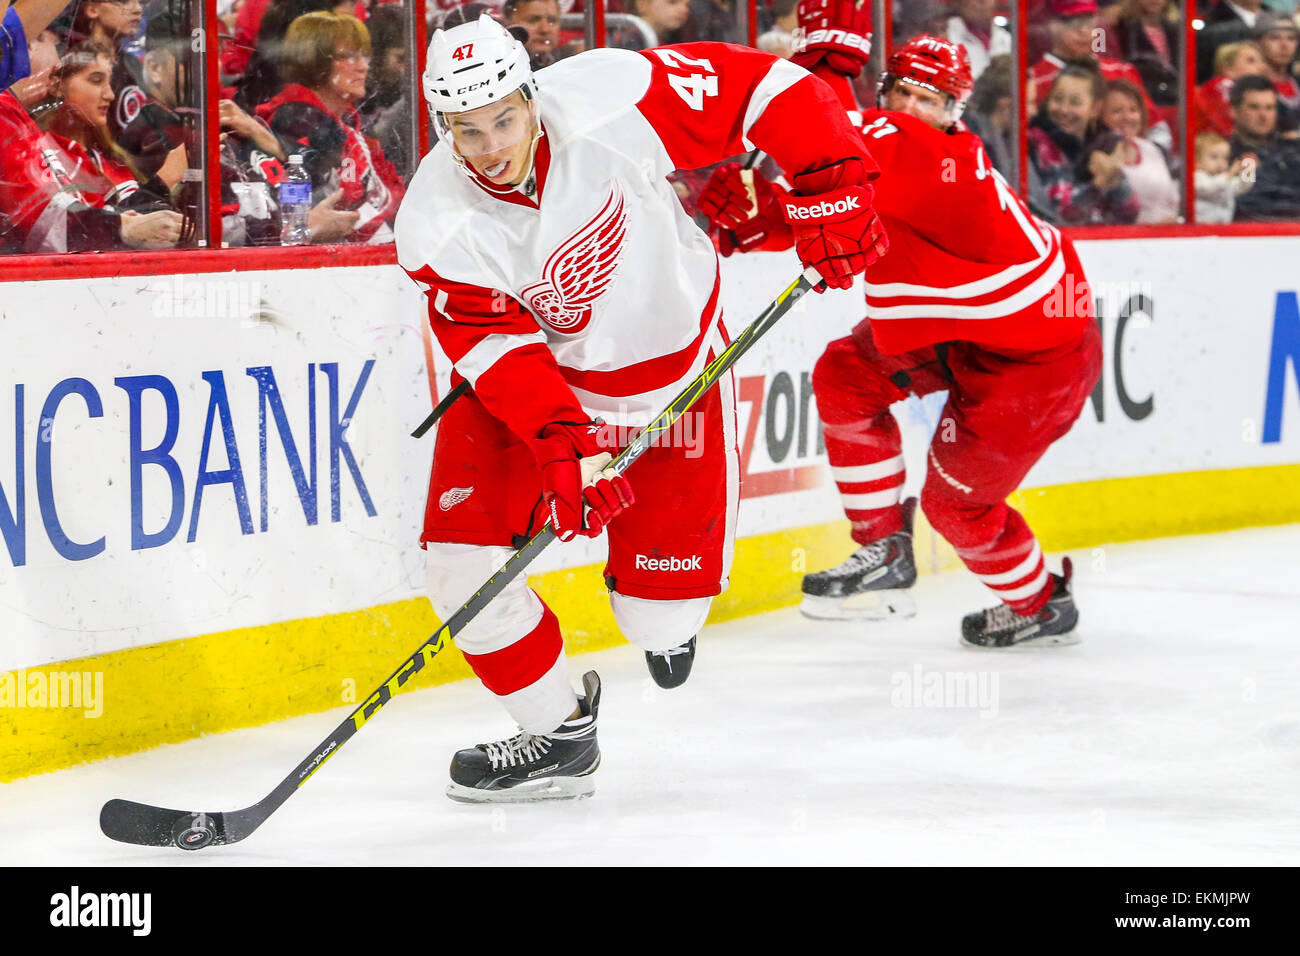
{"x":1083,"y":185}
{"x":261,"y":79}
{"x":1145,"y":167}
{"x":63,"y":190}
{"x":1148,"y":33}
{"x":325,"y":61}
{"x":1210,"y":103}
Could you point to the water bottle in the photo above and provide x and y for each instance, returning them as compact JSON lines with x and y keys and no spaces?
{"x":295,"y":204}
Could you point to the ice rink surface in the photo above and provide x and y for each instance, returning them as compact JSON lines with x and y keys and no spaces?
{"x":1169,"y":736}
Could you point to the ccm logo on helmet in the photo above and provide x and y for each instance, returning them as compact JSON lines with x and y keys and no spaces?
{"x":644,"y":563}
{"x":821,"y":209}
{"x":472,"y":87}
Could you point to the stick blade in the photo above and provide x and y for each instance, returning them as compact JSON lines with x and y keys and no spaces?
{"x":129,"y":822}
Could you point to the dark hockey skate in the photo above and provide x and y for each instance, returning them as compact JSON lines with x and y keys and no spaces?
{"x":532,"y":767}
{"x":1053,"y":626}
{"x":872,"y":582}
{"x":670,"y":668}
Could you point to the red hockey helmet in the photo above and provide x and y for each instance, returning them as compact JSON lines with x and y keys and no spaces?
{"x":934,"y":63}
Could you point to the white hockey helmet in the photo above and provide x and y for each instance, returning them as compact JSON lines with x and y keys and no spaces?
{"x":474,"y":64}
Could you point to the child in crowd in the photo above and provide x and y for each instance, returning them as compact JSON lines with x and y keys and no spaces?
{"x":1218,"y":184}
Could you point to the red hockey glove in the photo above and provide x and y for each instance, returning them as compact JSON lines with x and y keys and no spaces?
{"x":571,"y":460}
{"x":837,"y":31}
{"x":835,"y":229}
{"x":742,"y":207}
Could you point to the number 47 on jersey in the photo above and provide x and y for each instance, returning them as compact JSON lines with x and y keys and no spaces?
{"x":694,"y":87}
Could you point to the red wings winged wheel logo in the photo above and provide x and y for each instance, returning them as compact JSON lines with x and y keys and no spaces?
{"x":579,"y":271}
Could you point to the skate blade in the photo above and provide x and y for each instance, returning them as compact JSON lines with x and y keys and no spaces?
{"x":537,"y":791}
{"x":869,"y":606}
{"x":1032,"y":644}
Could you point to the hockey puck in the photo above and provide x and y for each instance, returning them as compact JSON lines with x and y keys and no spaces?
{"x":193,"y":832}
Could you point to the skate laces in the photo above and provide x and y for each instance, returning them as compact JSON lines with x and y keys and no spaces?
{"x":672,"y":651}
{"x":523,"y":748}
{"x":868,"y":556}
{"x":1003,"y":618}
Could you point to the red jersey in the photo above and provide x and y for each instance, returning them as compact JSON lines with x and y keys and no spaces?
{"x":1212,"y":109}
{"x":42,"y":174}
{"x":967,"y":260}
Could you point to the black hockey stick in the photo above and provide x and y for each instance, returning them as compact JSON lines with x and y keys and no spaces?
{"x":145,"y":825}
{"x":440,"y":409}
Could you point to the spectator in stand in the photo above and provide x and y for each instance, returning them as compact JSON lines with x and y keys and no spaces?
{"x":112,"y":24}
{"x":1148,"y":32}
{"x":261,"y":79}
{"x":717,"y":20}
{"x":1218,"y":182}
{"x":325,"y":62}
{"x":541,"y":18}
{"x":667,"y":18}
{"x":22,"y":20}
{"x":386,"y":111}
{"x":1145,"y":165}
{"x":988,"y":113}
{"x":44,"y":208}
{"x":1073,"y":30}
{"x":779,"y":41}
{"x":1277,"y":38}
{"x":1228,"y":21}
{"x":1211,"y":107}
{"x":1083,"y":182}
{"x":235,"y":55}
{"x":1272,"y":160}
{"x":61,"y":190}
{"x":252,"y":166}
{"x":163,"y":125}
{"x":914,"y":17}
{"x":989,"y":116}
{"x":973,"y":28}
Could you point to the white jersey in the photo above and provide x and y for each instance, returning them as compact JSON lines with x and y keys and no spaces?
{"x":604,"y":266}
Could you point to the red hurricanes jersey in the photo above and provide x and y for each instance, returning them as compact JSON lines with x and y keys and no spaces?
{"x":967,"y":260}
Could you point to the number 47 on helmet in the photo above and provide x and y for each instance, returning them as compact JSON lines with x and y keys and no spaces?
{"x":483,"y":99}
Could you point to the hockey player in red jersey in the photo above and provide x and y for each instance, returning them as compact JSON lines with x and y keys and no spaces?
{"x":567,"y":285}
{"x":976,"y":297}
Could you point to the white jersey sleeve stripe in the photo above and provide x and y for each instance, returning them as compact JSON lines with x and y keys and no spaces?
{"x":491,"y":350}
{"x":779,"y":78}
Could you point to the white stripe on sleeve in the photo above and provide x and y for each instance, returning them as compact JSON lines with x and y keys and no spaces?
{"x":780,"y":78}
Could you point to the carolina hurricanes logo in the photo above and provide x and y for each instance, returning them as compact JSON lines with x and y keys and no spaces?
{"x":581,"y":269}
{"x":129,"y":103}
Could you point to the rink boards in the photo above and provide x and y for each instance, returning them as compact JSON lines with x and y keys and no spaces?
{"x":209,"y":501}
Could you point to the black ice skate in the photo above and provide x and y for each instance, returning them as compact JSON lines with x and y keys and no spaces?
{"x":531,"y":767}
{"x":670,"y":668}
{"x":872,"y":582}
{"x":1054,"y":625}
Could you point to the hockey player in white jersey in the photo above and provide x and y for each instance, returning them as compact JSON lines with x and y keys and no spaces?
{"x":567,"y":284}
